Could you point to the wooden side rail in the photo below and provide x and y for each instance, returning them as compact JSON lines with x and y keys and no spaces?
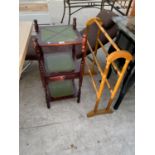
{"x":110,"y":60}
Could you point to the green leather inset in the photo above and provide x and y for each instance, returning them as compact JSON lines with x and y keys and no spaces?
{"x":61,"y":88}
{"x":55,"y":34}
{"x":59,"y":62}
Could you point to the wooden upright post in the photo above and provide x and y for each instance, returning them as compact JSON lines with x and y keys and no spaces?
{"x":36,"y":27}
{"x":74,"y":23}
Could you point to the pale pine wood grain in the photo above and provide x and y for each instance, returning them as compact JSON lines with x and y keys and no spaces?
{"x":32,"y":7}
{"x":25,"y":29}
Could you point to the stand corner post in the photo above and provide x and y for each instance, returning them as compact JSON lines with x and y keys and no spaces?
{"x":36,"y":27}
{"x":74,"y":23}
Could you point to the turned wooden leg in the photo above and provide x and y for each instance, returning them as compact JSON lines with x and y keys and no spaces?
{"x":36,"y":27}
{"x":47,"y":98}
{"x":79,"y":92}
{"x":42,"y":75}
{"x":48,"y":103}
{"x":74,"y":23}
{"x":84,"y":41}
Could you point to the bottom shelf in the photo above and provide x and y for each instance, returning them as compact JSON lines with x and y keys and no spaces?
{"x":62,"y":88}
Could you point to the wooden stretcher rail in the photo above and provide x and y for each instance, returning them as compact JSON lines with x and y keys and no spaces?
{"x":119,"y":80}
{"x":98,"y":23}
{"x":106,"y":53}
{"x":96,"y":61}
{"x":108,"y":84}
{"x":92,"y":79}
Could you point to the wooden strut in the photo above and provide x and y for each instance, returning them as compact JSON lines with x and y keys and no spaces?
{"x":110,"y":58}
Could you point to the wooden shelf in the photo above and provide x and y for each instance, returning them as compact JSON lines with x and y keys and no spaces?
{"x":62,"y":88}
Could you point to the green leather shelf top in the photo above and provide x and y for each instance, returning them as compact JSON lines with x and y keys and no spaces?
{"x":59,"y":62}
{"x":57,"y":34}
{"x":61,"y":88}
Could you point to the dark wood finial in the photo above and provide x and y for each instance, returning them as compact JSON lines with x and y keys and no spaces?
{"x":36,"y":27}
{"x":74,"y":23}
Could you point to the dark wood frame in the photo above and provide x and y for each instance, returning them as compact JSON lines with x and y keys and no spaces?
{"x":49,"y":77}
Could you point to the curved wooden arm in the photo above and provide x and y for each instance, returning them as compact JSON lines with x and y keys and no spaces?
{"x":119,"y":54}
{"x":93,"y":20}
